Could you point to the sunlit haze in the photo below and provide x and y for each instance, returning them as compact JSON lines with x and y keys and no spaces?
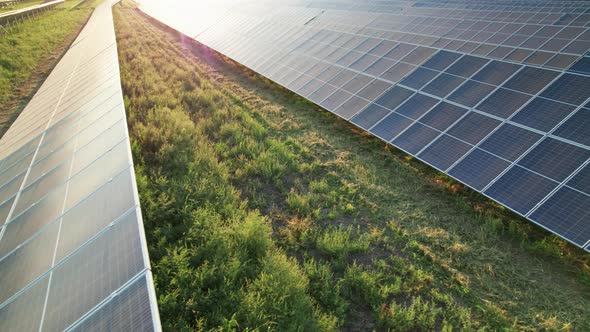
{"x":203,"y":13}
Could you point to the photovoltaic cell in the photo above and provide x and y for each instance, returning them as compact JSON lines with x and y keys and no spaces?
{"x":524,"y":189}
{"x":466,"y":66}
{"x":391,"y":126}
{"x":577,"y":127}
{"x":443,"y":84}
{"x":441,"y":60}
{"x":416,"y":106}
{"x":127,"y":311}
{"x":569,"y":88}
{"x":419,"y":77}
{"x":503,"y":102}
{"x":394,"y":97}
{"x":543,"y":114}
{"x":473,"y":127}
{"x":471,"y":93}
{"x":415,"y":138}
{"x":555,"y":159}
{"x":518,"y":72}
{"x":496,"y":72}
{"x":566,"y":212}
{"x":581,"y":181}
{"x":510,"y":142}
{"x":478,"y":169}
{"x":444,"y":152}
{"x":367,"y":118}
{"x":530,"y":80}
{"x":442,"y":116}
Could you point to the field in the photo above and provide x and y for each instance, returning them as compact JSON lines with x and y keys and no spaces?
{"x":264,"y":212}
{"x":29,"y":50}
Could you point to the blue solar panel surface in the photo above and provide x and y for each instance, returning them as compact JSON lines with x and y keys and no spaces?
{"x":493,"y":93}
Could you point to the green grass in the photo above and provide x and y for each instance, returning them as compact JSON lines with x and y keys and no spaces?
{"x":264,"y":213}
{"x":35,"y":45}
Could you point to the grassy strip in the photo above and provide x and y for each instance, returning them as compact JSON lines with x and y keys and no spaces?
{"x":262,"y":213}
{"x":20,"y":5}
{"x":30,"y":50}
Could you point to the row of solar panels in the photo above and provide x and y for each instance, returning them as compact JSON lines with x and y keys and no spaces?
{"x":18,"y":14}
{"x":73,"y":254}
{"x":494,"y":98}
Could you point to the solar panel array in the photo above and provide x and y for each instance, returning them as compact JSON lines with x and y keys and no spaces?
{"x":492,"y":93}
{"x":73,"y":254}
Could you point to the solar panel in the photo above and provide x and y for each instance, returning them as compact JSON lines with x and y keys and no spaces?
{"x":72,"y":246}
{"x":492,"y":93}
